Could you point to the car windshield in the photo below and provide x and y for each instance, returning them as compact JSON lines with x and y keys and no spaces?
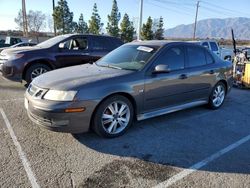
{"x":129,"y":57}
{"x":51,"y":42}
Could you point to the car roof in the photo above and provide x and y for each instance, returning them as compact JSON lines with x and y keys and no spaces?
{"x":79,"y":34}
{"x":203,"y":40}
{"x":158,"y":43}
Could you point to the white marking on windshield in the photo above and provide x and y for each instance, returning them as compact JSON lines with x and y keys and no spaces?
{"x":145,"y":49}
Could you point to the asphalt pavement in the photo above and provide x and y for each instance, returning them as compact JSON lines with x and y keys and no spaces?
{"x":198,"y":147}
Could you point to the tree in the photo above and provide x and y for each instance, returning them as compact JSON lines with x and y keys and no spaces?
{"x":19,"y":20}
{"x":155,"y":24}
{"x":113,"y":20}
{"x":36,"y":22}
{"x":63,"y":18}
{"x":50,"y":23}
{"x":95,"y":24}
{"x":82,"y":25}
{"x":147,"y":33}
{"x":159,"y":30}
{"x":127,"y":29}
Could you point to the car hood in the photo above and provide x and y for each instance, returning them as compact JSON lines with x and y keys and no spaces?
{"x":72,"y":78}
{"x":17,"y":50}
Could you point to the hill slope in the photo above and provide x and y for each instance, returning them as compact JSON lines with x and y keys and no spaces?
{"x":213,"y":28}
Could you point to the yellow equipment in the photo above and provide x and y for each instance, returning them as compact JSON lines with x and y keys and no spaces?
{"x":241,"y":71}
{"x":246,"y":75}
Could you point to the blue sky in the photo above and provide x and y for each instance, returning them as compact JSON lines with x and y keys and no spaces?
{"x":174,"y":12}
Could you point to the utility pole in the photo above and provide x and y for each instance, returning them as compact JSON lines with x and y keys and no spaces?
{"x":140,"y":21}
{"x":53,"y":3}
{"x":25,"y":22}
{"x":196,"y":15}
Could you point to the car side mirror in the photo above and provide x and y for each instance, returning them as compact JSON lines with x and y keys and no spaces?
{"x":161,"y":69}
{"x":62,"y":45}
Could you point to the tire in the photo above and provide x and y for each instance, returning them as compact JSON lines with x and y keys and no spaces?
{"x":228,"y":58}
{"x":34,"y":71}
{"x":217,"y":96}
{"x":113,"y":117}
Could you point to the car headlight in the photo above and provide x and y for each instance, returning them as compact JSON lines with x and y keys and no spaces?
{"x":56,"y":95}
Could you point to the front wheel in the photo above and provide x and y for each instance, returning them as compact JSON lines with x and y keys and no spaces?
{"x":35,"y":70}
{"x":113,"y":116}
{"x":217,"y":96}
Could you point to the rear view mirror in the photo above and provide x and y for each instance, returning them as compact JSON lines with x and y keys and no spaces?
{"x":161,"y":69}
{"x":62,"y":45}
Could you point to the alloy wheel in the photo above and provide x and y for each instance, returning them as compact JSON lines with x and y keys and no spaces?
{"x":218,"y":95}
{"x":115,"y":117}
{"x":37,"y":72}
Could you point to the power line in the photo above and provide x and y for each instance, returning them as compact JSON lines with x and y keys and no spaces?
{"x":214,"y":11}
{"x":176,"y":5}
{"x":167,"y":8}
{"x":220,"y":8}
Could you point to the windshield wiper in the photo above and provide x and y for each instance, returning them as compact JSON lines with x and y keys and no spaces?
{"x":112,"y":66}
{"x":109,"y":66}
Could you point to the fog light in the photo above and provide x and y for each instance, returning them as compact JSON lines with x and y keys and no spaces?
{"x":68,"y":110}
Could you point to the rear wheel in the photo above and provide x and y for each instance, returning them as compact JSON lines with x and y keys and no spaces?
{"x":35,"y":70}
{"x":217,"y":96}
{"x":113,"y":117}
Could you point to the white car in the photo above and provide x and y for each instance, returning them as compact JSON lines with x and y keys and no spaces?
{"x":223,"y":53}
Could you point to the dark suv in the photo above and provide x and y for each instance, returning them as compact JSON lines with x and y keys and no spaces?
{"x":26,"y":63}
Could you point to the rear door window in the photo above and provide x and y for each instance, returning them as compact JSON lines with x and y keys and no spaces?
{"x":205,"y":44}
{"x":214,"y":46}
{"x":173,"y":57}
{"x":196,"y":56}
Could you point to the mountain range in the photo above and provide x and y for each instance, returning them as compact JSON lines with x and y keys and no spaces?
{"x":213,"y":28}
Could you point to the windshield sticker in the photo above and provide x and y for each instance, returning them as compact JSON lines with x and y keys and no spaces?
{"x":145,"y":49}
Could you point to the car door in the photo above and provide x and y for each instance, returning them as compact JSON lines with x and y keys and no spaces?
{"x":214,"y":48}
{"x":166,"y":89}
{"x":73,"y":51}
{"x":100,"y":46}
{"x":200,"y":72}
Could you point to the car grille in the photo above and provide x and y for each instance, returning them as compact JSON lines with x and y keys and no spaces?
{"x":35,"y":91}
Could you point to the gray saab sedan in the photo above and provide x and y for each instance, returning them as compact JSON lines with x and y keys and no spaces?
{"x":136,"y":81}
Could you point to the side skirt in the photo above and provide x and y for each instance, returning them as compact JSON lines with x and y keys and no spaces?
{"x":170,"y":109}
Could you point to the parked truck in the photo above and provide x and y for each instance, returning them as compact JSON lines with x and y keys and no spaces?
{"x":9,"y":41}
{"x":223,"y":53}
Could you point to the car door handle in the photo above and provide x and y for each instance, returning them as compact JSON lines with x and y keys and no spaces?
{"x":211,"y":72}
{"x":183,"y":76}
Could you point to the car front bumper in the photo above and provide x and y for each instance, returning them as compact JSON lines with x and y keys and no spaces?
{"x":9,"y":71}
{"x":51,"y":115}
